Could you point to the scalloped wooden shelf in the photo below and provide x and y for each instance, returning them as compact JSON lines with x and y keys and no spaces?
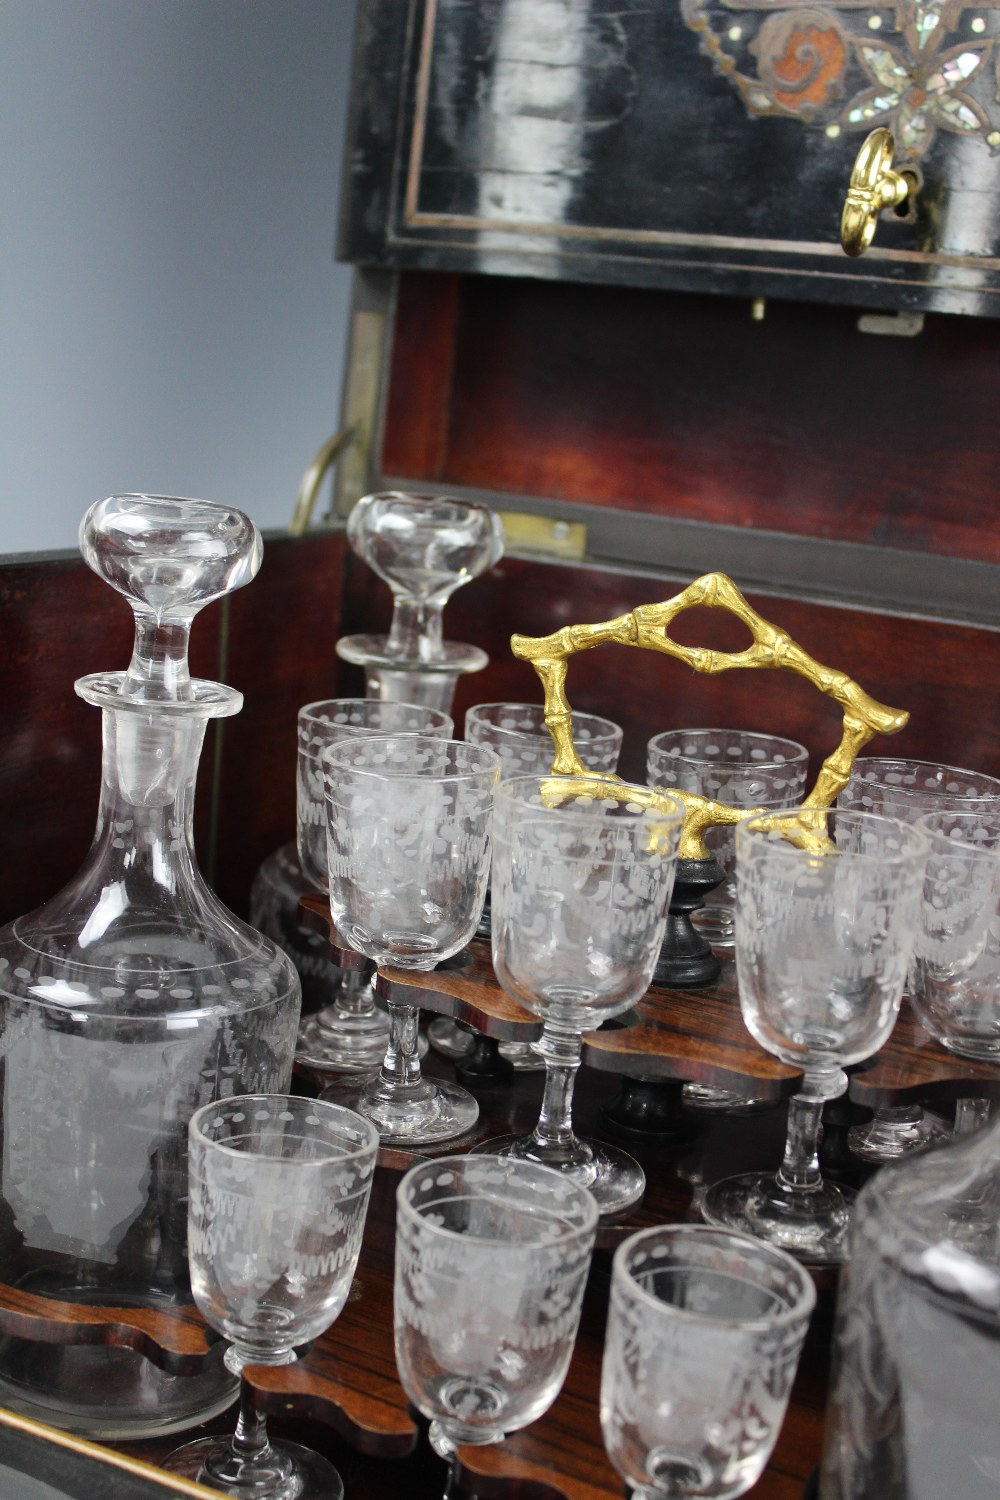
{"x":691,"y":1036}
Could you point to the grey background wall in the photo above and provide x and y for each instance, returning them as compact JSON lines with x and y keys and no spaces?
{"x":171,"y":315}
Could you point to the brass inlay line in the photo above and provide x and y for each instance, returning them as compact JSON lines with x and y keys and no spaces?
{"x":425,"y":220}
{"x":56,"y":1439}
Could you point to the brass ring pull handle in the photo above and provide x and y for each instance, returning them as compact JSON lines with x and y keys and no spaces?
{"x":305,"y":500}
{"x":647,"y":627}
{"x":874,"y":186}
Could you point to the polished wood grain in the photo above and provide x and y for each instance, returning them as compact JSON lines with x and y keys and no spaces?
{"x":683,"y":405}
{"x":176,"y":1340}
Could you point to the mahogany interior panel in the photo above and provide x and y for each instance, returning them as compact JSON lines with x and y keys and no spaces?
{"x":947,"y":676}
{"x":282,"y":631}
{"x":683,"y":405}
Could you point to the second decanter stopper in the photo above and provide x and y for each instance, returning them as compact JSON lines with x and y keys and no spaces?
{"x":424,"y":547}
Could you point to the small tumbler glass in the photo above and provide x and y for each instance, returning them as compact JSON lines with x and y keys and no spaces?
{"x":737,"y":766}
{"x":704,"y":1333}
{"x":492,"y":1258}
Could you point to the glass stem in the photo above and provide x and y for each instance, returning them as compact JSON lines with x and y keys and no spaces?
{"x":971,"y":1114}
{"x":445,"y":1448}
{"x":250,"y":1442}
{"x":560,"y":1051}
{"x":799,"y":1169}
{"x":401,"y":1064}
{"x":355,"y":996}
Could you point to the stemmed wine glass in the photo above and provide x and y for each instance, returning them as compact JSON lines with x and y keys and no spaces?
{"x":492,"y":1257}
{"x":349,"y":1034}
{"x":742,"y":768}
{"x":583,"y":869}
{"x":705,"y":1328}
{"x":955,"y":975}
{"x":408,"y":860}
{"x":908,"y":789}
{"x":279,"y":1189}
{"x":827,"y":904}
{"x":519,"y":735}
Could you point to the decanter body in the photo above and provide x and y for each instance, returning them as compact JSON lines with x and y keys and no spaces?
{"x":912,"y":1412}
{"x":130,"y":999}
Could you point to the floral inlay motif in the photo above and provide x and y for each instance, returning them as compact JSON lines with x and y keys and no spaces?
{"x":914,"y":66}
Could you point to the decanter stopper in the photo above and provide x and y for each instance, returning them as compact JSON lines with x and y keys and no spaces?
{"x":169,"y":558}
{"x":424,"y":547}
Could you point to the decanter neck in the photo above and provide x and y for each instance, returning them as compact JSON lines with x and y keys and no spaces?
{"x":145,"y":821}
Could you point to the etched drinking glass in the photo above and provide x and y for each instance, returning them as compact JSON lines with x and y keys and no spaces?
{"x":331,"y":722}
{"x":492,"y":1257}
{"x":908,"y":789}
{"x":744,"y":769}
{"x":279,"y":1189}
{"x":704,"y":1332}
{"x":581,"y":886}
{"x":519,"y":735}
{"x":740,"y":767}
{"x":348,"y":1035}
{"x":955,"y":975}
{"x":827,"y":905}
{"x":408,"y":860}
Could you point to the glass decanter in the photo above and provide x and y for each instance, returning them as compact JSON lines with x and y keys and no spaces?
{"x":912,"y":1413}
{"x":130,"y":999}
{"x":424,"y":547}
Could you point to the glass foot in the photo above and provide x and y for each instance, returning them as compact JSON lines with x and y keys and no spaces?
{"x":455,"y":1042}
{"x":810,"y":1223}
{"x":410,"y":1114}
{"x":522,"y":1057}
{"x":895,"y":1132}
{"x":616,"y":1179}
{"x":721,"y":1101}
{"x":288,"y":1472}
{"x":715,"y":923}
{"x":449,"y":1038}
{"x":343,"y":1043}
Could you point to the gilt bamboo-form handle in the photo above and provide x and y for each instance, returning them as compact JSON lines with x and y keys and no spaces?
{"x":647,"y":627}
